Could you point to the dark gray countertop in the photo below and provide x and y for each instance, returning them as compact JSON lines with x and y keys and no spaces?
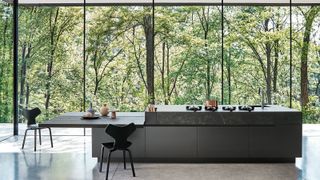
{"x":182,"y":108}
{"x":177,"y":115}
{"x":73,"y":120}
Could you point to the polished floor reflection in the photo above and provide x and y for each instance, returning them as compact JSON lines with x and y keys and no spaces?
{"x":309,"y":164}
{"x":71,"y":159}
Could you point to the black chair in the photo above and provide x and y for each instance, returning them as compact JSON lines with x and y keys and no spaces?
{"x":120,"y":135}
{"x":31,"y":115}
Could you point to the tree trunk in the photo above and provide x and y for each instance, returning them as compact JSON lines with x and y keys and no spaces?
{"x":26,"y":50}
{"x":310,"y":16}
{"x":96,"y":73}
{"x":53,"y":42}
{"x":208,"y":66}
{"x":317,"y":93}
{"x":204,"y":20}
{"x":27,"y":94}
{"x":168,"y":77}
{"x":268,"y":55}
{"x":3,"y":87}
{"x":96,"y":86}
{"x":275,"y":68}
{"x":162,"y":71}
{"x":318,"y":84}
{"x":229,"y":76}
{"x":148,"y":30}
{"x":22,"y":73}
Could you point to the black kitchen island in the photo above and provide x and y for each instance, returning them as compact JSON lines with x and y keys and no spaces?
{"x":174,"y":134}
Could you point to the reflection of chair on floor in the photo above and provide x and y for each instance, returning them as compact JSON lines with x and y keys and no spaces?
{"x":31,"y":115}
{"x":120,"y":135}
{"x":36,"y":161}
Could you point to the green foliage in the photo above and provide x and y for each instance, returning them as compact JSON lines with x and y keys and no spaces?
{"x":311,"y":113}
{"x":5,"y":63}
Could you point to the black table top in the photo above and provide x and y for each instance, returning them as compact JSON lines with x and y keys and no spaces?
{"x":74,"y":120}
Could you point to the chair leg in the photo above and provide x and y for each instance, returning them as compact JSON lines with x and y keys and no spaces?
{"x":35,"y":140}
{"x":50,"y":137}
{"x":24,"y":138}
{"x":132,"y":167}
{"x":124,"y":160}
{"x":40,"y":136}
{"x":101,"y":158}
{"x":108,"y":164}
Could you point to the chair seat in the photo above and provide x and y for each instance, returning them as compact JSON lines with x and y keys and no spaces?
{"x":110,"y":145}
{"x":34,"y":126}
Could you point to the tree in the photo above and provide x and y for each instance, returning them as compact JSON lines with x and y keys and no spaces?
{"x":309,"y":16}
{"x":170,"y":36}
{"x":60,"y":22}
{"x":261,"y":32}
{"x":149,"y":34}
{"x":5,"y":63}
{"x":103,"y":35}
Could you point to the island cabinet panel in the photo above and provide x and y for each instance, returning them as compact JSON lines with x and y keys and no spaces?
{"x":223,"y":142}
{"x":279,"y":141}
{"x":137,"y":148}
{"x":171,"y":142}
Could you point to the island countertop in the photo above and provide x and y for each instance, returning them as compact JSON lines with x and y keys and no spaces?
{"x":182,"y":108}
{"x":177,"y":115}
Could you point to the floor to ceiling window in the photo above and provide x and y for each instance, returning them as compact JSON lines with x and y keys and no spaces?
{"x":50,"y":59}
{"x":118,"y":48}
{"x":6,"y":70}
{"x":306,"y":61}
{"x":187,"y":53}
{"x":257,"y":54}
{"x":128,"y":54}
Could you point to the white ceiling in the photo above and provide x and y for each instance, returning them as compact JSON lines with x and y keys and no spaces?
{"x":234,"y":2}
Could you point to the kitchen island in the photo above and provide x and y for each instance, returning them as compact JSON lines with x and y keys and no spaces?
{"x":272,"y":133}
{"x":174,"y":134}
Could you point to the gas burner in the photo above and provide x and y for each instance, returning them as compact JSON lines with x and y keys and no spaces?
{"x":211,"y":108}
{"x":229,"y":108}
{"x":246,"y":108}
{"x":194,"y":108}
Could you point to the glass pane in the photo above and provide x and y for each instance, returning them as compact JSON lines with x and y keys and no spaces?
{"x":118,"y":44}
{"x":306,"y":53}
{"x":257,"y":53}
{"x":6,"y":70}
{"x":187,"y":53}
{"x":50,"y":59}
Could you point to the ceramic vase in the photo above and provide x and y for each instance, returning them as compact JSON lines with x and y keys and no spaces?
{"x":104,"y":110}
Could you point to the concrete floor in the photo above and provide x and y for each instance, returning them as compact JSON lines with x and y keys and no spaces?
{"x":70,"y":159}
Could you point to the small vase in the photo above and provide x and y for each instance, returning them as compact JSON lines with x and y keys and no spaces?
{"x":90,"y":110}
{"x":113,"y":115}
{"x":104,"y":110}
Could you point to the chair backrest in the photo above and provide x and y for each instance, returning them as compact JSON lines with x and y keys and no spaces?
{"x":31,"y":115}
{"x":120,"y":134}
